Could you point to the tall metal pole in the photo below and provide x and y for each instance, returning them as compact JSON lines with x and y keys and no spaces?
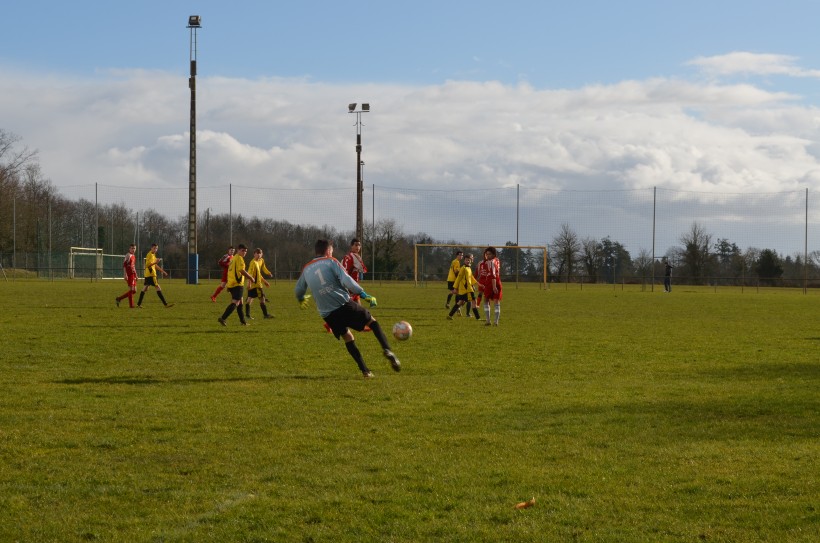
{"x":193,"y":258}
{"x":359,"y":181}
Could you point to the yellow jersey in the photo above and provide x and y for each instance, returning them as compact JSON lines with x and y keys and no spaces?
{"x":465,"y":280}
{"x":258,"y":270}
{"x":150,"y":263}
{"x":454,"y":267}
{"x":235,"y":269}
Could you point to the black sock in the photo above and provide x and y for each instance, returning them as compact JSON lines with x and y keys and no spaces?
{"x":142,"y":294}
{"x":264,"y":309}
{"x":240,"y":313}
{"x":357,"y":356}
{"x":376,"y":328}
{"x":248,"y":311}
{"x":161,"y":297}
{"x":455,"y":308}
{"x":475,"y":312}
{"x":449,"y":297}
{"x":228,"y":311}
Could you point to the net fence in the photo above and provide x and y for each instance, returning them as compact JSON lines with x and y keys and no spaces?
{"x":649,"y":223}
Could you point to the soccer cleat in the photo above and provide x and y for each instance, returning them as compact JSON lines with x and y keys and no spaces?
{"x":139,"y":307}
{"x":117,"y":300}
{"x":222,"y":321}
{"x":449,"y":317}
{"x":368,"y":375}
{"x":495,"y":323}
{"x":488,"y":323}
{"x":269,"y":317}
{"x":394,"y":362}
{"x":245,"y":323}
{"x":447,"y":306}
{"x":168,"y":305}
{"x":213,"y":298}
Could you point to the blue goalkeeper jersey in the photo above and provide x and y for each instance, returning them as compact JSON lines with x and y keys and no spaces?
{"x":328,"y":282}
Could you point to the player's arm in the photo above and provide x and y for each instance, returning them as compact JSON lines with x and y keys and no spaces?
{"x":261,"y":272}
{"x":158,"y":267}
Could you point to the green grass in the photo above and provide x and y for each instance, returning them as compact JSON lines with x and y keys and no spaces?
{"x":629,"y":415}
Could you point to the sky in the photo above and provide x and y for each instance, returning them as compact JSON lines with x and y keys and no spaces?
{"x":711,"y":96}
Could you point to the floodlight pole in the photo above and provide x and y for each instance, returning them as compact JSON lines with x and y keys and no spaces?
{"x":365,"y":108}
{"x":194,"y":22}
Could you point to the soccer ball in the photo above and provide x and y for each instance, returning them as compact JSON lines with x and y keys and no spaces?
{"x":402,"y":330}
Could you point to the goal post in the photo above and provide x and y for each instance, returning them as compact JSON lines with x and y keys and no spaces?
{"x":536,"y":265}
{"x":86,"y":262}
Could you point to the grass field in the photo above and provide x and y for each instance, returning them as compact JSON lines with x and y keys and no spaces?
{"x":628,"y":415}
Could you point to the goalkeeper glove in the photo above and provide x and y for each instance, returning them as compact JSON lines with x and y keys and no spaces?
{"x":303,"y":303}
{"x":369,"y":299}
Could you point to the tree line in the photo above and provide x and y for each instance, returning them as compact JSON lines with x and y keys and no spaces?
{"x":36,"y":220}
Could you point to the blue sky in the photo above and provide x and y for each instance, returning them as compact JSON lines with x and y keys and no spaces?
{"x":704,"y":96}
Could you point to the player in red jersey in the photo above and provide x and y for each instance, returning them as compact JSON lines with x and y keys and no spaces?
{"x":489,"y":283}
{"x":223,"y":262}
{"x":354,"y":265}
{"x":129,"y":273}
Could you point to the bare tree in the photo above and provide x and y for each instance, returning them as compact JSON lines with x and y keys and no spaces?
{"x":566,"y":248}
{"x":592,"y":258}
{"x":696,"y":260}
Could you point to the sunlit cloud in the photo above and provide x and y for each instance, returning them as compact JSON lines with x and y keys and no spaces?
{"x":130,"y":128}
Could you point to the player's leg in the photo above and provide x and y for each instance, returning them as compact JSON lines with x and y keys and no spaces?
{"x":149,"y":281}
{"x":218,"y":290}
{"x":248,"y":302}
{"x":449,"y":294}
{"x":350,"y":345}
{"x":263,"y":305}
{"x":160,"y":295}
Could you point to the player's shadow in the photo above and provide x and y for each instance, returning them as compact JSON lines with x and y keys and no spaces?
{"x":144,"y":380}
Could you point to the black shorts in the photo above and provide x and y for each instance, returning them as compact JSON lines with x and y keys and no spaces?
{"x":463,"y":297}
{"x":256,"y":293}
{"x":150,"y":282}
{"x":236,"y":292}
{"x":350,"y":315}
{"x":450,"y":285}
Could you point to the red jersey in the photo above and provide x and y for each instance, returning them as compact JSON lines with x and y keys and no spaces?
{"x":224,"y":263}
{"x":354,"y":266}
{"x":489,"y":275}
{"x":129,"y":265}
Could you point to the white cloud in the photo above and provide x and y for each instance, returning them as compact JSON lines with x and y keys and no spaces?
{"x":131,"y":129}
{"x":746,"y":63}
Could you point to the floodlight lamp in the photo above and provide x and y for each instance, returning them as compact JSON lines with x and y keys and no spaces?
{"x":365,"y":107}
{"x":351,"y":107}
{"x":194,"y":21}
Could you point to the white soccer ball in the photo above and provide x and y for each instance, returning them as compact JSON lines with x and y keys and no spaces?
{"x":402,"y":330}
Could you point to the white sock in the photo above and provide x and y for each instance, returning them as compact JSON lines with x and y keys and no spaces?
{"x":487,"y":311}
{"x":497,"y":312}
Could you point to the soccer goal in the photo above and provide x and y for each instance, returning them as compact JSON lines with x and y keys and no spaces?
{"x":91,"y":263}
{"x":527,"y":263}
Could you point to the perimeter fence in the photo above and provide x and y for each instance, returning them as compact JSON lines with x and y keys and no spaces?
{"x":616,"y":236}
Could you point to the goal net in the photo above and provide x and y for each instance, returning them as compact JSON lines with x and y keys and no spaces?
{"x":519,"y":263}
{"x":91,"y":263}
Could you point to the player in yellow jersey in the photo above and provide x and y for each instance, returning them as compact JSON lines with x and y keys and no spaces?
{"x":463,"y":287}
{"x":151,"y":268}
{"x":258,"y":271}
{"x":452,"y":273}
{"x":236,"y":285}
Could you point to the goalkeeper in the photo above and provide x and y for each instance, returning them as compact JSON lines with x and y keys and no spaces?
{"x":331,"y":287}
